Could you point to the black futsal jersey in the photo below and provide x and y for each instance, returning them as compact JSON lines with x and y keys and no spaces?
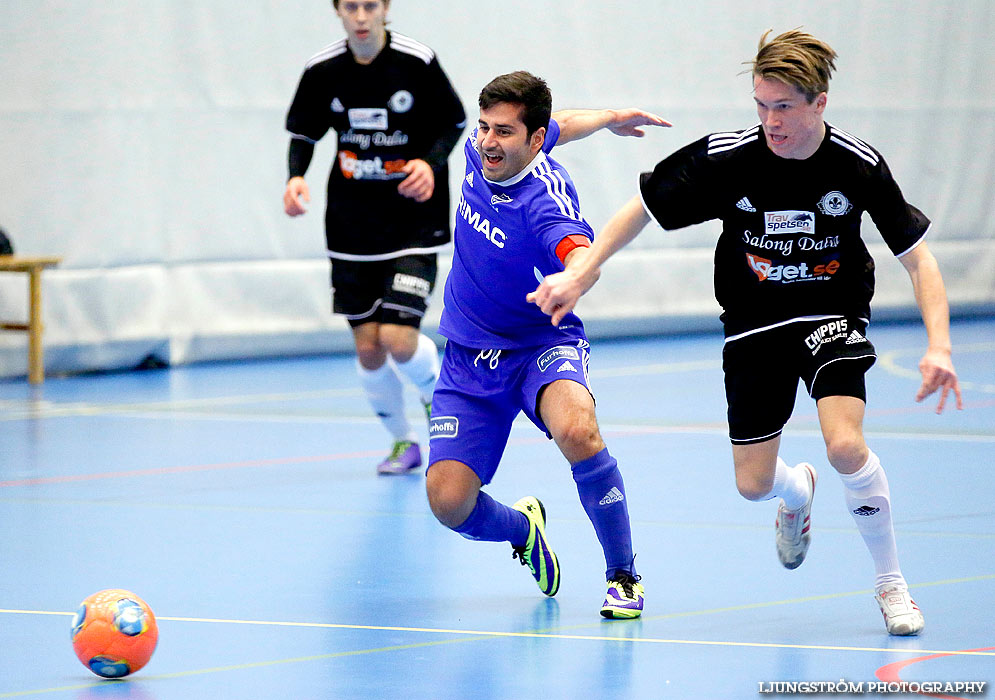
{"x":398,"y":108}
{"x":790,"y":245}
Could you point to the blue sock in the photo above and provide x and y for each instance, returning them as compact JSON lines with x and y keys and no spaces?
{"x":495,"y":522}
{"x":599,"y":484}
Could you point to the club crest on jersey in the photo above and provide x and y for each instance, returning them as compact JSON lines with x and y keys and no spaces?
{"x":372,"y":118}
{"x":560,"y":352}
{"x":401,"y":101}
{"x":835,"y":204}
{"x":789,"y":221}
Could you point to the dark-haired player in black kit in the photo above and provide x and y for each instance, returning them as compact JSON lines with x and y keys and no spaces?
{"x":397,"y":118}
{"x":795,"y":282}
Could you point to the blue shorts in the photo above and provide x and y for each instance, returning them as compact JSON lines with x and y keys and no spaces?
{"x":480,"y":392}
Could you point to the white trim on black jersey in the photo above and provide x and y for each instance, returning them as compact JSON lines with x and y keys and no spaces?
{"x":916,"y":244}
{"x":726,"y":141}
{"x":797,"y":319}
{"x":336,"y":48}
{"x":556,"y":187}
{"x":302,"y":137}
{"x":412,"y":47}
{"x":335,"y":255}
{"x":852,"y":143}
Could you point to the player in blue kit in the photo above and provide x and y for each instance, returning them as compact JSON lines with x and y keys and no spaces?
{"x":518,"y":219}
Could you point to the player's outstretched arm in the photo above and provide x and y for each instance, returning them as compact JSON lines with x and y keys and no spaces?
{"x":559,"y":293}
{"x":576,"y":124}
{"x":936,"y":365}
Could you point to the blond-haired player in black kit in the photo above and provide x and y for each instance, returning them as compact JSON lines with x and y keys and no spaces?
{"x":795,"y":281}
{"x":397,"y":118}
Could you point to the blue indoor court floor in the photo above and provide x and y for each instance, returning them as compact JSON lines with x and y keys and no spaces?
{"x":240,"y":501}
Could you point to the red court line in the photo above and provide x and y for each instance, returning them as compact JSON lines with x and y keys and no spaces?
{"x":889,"y":673}
{"x":68,"y":478}
{"x":188,"y":468}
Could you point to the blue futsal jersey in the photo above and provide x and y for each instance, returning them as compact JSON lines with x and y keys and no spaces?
{"x":506,"y":236}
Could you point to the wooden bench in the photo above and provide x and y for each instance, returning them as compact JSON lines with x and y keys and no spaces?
{"x":34,"y":327}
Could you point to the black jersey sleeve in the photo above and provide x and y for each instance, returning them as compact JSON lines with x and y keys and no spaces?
{"x":299,"y":157}
{"x":679,"y":192}
{"x":901,"y":224}
{"x":450,"y":114}
{"x":306,"y":115}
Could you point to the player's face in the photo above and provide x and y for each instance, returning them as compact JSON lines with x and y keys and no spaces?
{"x":793,"y":126}
{"x":364,"y":20}
{"x":503,"y":142}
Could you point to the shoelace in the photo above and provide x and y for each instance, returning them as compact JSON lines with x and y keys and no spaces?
{"x":626,"y":580}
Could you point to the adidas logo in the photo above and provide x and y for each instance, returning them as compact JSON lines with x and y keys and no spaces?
{"x":613,"y":496}
{"x":469,"y":179}
{"x":745,"y":205}
{"x":566,"y":367}
{"x":337,"y":105}
{"x":866,"y":510}
{"x":854,"y":338}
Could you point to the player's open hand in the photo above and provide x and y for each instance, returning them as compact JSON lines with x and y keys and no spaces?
{"x":627,"y":122}
{"x":420,"y":181}
{"x":296,"y":196}
{"x":938,"y":373}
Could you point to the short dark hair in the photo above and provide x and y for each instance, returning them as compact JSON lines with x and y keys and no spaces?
{"x":520,"y":88}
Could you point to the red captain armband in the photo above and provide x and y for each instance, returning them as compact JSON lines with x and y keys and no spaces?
{"x":572,"y":241}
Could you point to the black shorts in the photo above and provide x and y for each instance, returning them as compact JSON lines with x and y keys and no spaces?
{"x":384,"y":291}
{"x":762,"y":372}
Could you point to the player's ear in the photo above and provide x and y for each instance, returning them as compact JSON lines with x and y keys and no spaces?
{"x":538,"y":139}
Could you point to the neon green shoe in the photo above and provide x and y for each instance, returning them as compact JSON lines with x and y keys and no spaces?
{"x":625,"y":597}
{"x":536,"y":553}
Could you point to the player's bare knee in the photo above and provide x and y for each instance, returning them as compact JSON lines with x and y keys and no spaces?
{"x":753,"y":488}
{"x":847,"y":454}
{"x":370,"y":354}
{"x":448,"y":501}
{"x":578,"y":440}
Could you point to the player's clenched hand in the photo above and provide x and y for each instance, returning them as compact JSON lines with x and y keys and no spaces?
{"x":420,"y":181}
{"x":938,"y":374}
{"x":557,"y":294}
{"x":296,"y":196}
{"x":628,"y":121}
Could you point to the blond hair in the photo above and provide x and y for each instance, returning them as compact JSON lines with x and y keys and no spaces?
{"x":795,"y":58}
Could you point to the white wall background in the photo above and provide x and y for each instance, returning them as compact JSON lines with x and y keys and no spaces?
{"x":143,"y":141}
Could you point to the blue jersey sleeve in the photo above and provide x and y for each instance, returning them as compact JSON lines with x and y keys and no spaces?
{"x":556,"y":213}
{"x":552,"y":136}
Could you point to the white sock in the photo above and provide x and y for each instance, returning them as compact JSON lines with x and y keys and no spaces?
{"x":423,"y":367}
{"x":386,"y":395}
{"x":790,"y":483}
{"x":869,"y":501}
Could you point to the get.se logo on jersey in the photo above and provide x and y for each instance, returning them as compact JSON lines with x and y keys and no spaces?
{"x":765,"y":269}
